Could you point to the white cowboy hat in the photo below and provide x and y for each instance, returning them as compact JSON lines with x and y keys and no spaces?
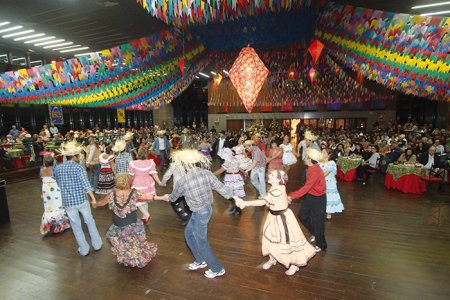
{"x":161,"y":132}
{"x":71,"y":149}
{"x":128,"y":136}
{"x":249,"y":143}
{"x":185,"y":130}
{"x":188,"y":159}
{"x":314,"y":154}
{"x":310,"y":136}
{"x":119,"y":146}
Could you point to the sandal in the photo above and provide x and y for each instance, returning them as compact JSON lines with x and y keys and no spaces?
{"x":269,"y":264}
{"x":292,"y":270}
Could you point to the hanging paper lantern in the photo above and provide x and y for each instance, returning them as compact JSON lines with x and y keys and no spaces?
{"x":181,"y":63}
{"x":217,"y":79}
{"x":315,"y":49}
{"x":248,"y":74}
{"x":312,"y":74}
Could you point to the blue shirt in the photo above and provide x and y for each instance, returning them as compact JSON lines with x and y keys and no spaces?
{"x":196,"y":186}
{"x":14,"y":132}
{"x":73,"y":181}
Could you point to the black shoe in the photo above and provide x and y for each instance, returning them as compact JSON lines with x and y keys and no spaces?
{"x":237,"y":211}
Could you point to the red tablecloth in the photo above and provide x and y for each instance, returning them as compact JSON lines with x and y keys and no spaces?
{"x":17,"y":162}
{"x":407,"y":184}
{"x":349,"y":176}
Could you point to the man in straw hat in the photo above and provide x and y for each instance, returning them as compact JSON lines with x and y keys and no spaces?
{"x":257,"y":168}
{"x":128,"y":138}
{"x":309,"y":143}
{"x":196,"y":186}
{"x":185,"y":140}
{"x":73,"y":181}
{"x":315,"y":203}
{"x":161,"y":145}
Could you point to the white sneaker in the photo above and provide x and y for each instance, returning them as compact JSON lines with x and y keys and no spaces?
{"x":312,"y":239}
{"x":211,"y":274}
{"x":196,"y":265}
{"x":318,"y":249}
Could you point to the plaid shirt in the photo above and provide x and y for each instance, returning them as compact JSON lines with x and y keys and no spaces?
{"x":258,"y":155}
{"x":73,"y":182}
{"x":122,"y":162}
{"x":196,"y":186}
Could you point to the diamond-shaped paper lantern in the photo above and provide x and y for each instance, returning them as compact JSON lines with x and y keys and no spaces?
{"x":312,"y":74}
{"x":248,"y":74}
{"x":217,"y":79}
{"x":315,"y":49}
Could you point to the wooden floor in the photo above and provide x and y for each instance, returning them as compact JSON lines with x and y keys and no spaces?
{"x":385,"y":245}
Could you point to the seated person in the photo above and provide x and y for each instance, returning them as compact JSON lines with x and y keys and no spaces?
{"x":408,"y":157}
{"x":368,"y":153}
{"x":339,"y":150}
{"x":391,"y":156}
{"x":370,"y":164}
{"x":4,"y":157}
{"x":431,"y":160}
{"x":358,"y":150}
{"x":384,"y":147}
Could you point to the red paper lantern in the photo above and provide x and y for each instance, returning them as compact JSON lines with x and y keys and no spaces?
{"x":248,"y":74}
{"x":315,"y":49}
{"x":181,"y":63}
{"x":312,"y":74}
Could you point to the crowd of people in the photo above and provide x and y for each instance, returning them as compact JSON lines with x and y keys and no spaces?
{"x":126,"y":164}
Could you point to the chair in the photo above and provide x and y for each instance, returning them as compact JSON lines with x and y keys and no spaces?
{"x":378,"y":164}
{"x":435,"y":176}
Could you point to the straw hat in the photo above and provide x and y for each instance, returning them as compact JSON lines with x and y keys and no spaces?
{"x":310,"y":136}
{"x":258,"y":135}
{"x":185,"y":130}
{"x":226,"y":154}
{"x":189,"y":159}
{"x":128,"y":136}
{"x":249,"y":143}
{"x":314,"y":154}
{"x":119,"y":146}
{"x":161,"y":132}
{"x":71,"y":149}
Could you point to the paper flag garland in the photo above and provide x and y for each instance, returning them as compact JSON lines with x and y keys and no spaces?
{"x":248,"y":74}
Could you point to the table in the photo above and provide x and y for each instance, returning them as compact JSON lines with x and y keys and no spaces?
{"x":346,"y":167}
{"x":16,"y":155}
{"x":406,"y":178}
{"x":51,"y":147}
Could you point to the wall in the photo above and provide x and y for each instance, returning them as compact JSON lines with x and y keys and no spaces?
{"x":370,"y":115}
{"x":164,"y":114}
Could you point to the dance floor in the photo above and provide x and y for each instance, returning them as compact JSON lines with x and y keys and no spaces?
{"x":385,"y":245}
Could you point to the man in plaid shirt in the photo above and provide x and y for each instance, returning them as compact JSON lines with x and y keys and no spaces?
{"x":196,"y":186}
{"x":257,"y":168}
{"x":73,"y":181}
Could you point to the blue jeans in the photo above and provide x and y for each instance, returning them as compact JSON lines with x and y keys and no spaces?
{"x":95,"y":174}
{"x":196,"y":238}
{"x":163,"y":158}
{"x":383,"y":167}
{"x":73,"y":212}
{"x":258,"y":178}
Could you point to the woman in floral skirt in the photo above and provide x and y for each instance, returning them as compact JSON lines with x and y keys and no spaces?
{"x":334,"y":202}
{"x":127,"y":233}
{"x":107,"y":173}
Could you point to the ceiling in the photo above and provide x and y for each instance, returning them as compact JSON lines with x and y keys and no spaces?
{"x":103,"y":24}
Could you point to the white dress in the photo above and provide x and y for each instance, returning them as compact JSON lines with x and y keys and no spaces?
{"x":288,"y":157}
{"x":244,"y":161}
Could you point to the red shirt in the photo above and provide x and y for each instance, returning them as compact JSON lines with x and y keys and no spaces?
{"x":315,"y":183}
{"x":261,"y":146}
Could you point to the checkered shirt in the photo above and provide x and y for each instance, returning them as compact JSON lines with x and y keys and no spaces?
{"x":258,"y":155}
{"x":73,"y":182}
{"x":122,"y":162}
{"x":196,"y":186}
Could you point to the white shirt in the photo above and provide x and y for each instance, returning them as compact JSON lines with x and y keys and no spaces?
{"x":220,"y":145}
{"x":303,"y":145}
{"x":430,"y":162}
{"x":161,"y":144}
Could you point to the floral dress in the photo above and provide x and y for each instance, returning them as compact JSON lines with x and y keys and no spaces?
{"x":204,"y":149}
{"x":288,"y":247}
{"x":55,"y":216}
{"x":244,"y":161}
{"x":233,"y":179}
{"x":106,"y":179}
{"x":277,"y":163}
{"x":334,"y":202}
{"x":128,"y":242}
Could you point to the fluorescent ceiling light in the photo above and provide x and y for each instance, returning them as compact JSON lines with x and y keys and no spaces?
{"x":436,"y":13}
{"x":197,"y":77}
{"x":213,"y":72}
{"x":225,"y":71}
{"x":58,"y":45}
{"x":67,"y":47}
{"x":49,"y":42}
{"x":203,"y":74}
{"x":29,"y":37}
{"x":83,"y":54}
{"x":11,"y":28}
{"x":17,"y":33}
{"x":20,"y":58}
{"x":430,"y":5}
{"x":41,"y":39}
{"x":76,"y":49}
{"x":36,"y":61}
{"x":4,"y":23}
